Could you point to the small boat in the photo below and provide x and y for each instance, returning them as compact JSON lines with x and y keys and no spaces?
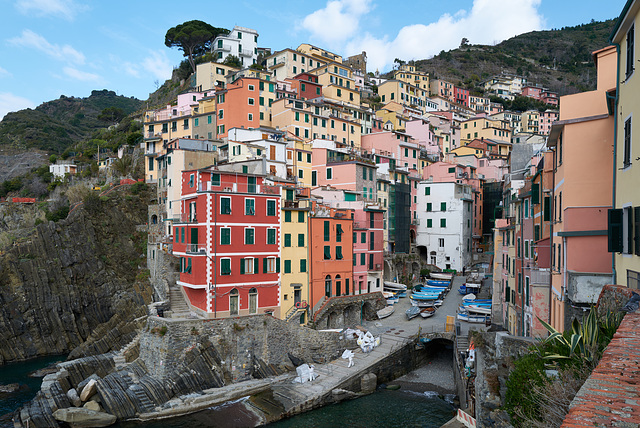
{"x":427,"y":312}
{"x":402,"y":294}
{"x":441,"y":275}
{"x":430,"y":287}
{"x":476,"y":310}
{"x":415,"y":296}
{"x":426,"y":303}
{"x":479,"y":304}
{"x":412,"y":312}
{"x":385,"y":312}
{"x":394,"y":286}
{"x":467,"y":316}
{"x":439,"y":282}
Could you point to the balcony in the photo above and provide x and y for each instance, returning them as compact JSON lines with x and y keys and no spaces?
{"x":185,"y":218}
{"x":246,"y":52}
{"x":299,"y":204}
{"x":540,"y":276}
{"x":196,"y":249}
{"x":415,"y":222}
{"x":224,"y":48}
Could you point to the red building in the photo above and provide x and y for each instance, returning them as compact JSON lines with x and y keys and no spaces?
{"x":307,"y":86}
{"x":227,"y":239}
{"x":331,"y":241}
{"x":461,"y":96}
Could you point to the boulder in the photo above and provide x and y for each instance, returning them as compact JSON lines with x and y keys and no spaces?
{"x":368,"y":383}
{"x":88,"y":390}
{"x":92,"y":405}
{"x":81,"y":418}
{"x":73,"y":396}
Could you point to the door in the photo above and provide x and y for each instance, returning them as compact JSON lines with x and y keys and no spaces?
{"x":233,"y":304}
{"x":297,"y":297}
{"x":253,"y":301}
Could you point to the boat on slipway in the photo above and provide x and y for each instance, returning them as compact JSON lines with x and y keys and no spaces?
{"x":385,"y":312}
{"x":427,"y":312}
{"x":412,"y":312}
{"x":441,"y":275}
{"x":394,"y":286}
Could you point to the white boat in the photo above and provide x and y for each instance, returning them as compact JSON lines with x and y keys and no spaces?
{"x":441,"y":275}
{"x":385,"y":312}
{"x":473,"y":318}
{"x":480,"y":310}
{"x":412,"y":312}
{"x":427,"y":312}
{"x":426,"y":303}
{"x":394,"y":286}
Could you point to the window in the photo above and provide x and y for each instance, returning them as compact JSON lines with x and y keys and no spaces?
{"x":271,"y":208}
{"x":287,"y":266}
{"x":371,"y":241}
{"x":440,"y":242}
{"x":287,"y":216}
{"x":300,"y":239}
{"x":300,"y":216}
{"x":339,"y":252}
{"x":429,"y":222}
{"x":251,"y":101}
{"x":363,"y":237}
{"x":627,"y":143}
{"x":363,"y":259}
{"x":249,"y":235}
{"x":249,"y":206}
{"x":225,"y":236}
{"x":427,"y":191}
{"x":443,"y":206}
{"x":247,"y":266}
{"x":630,"y":49}
{"x":329,"y":173}
{"x":327,"y":252}
{"x":303,"y":265}
{"x":327,"y":230}
{"x":271,"y":265}
{"x":271,"y":236}
{"x":443,"y":222}
{"x":429,"y":207}
{"x":225,"y":266}
{"x":250,"y":117}
{"x":215,"y":179}
{"x":287,"y":239}
{"x":225,"y":205}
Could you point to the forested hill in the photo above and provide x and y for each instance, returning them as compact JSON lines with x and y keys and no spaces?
{"x":559,"y":60}
{"x":55,"y":125}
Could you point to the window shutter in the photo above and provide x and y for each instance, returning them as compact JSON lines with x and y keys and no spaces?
{"x":614,"y":233}
{"x":264,"y":265}
{"x":277,"y":264}
{"x":241,"y":266}
{"x":535,"y":193}
{"x":636,"y":230}
{"x":256,"y":265}
{"x":547,"y":208}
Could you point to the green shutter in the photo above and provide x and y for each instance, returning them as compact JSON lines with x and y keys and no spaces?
{"x":277,"y":264}
{"x":338,"y":252}
{"x":256,"y":265}
{"x":443,"y":222}
{"x":636,"y":230}
{"x":300,"y":239}
{"x":535,"y":193}
{"x":327,"y":252}
{"x":327,"y":230}
{"x":429,"y":206}
{"x":429,"y":222}
{"x":614,"y":233}
{"x":264,"y":265}
{"x":547,"y":208}
{"x":287,"y":239}
{"x":363,"y":259}
{"x":300,"y":216}
{"x":287,"y":216}
{"x":427,"y":191}
{"x":303,"y":265}
{"x":241,"y":266}
{"x":287,"y":266}
{"x":443,"y":206}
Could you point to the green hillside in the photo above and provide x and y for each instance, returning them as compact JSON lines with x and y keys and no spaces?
{"x":557,"y":59}
{"x":56,"y":125}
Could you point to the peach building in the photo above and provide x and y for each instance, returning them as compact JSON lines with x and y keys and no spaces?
{"x":582,"y":141}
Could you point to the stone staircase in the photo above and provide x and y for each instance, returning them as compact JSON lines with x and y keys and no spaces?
{"x":144,"y":404}
{"x":462,"y":344}
{"x":119,"y":358}
{"x":179,"y":307}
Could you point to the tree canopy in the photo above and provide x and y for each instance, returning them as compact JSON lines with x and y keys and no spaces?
{"x":193,"y":38}
{"x":233,"y":61}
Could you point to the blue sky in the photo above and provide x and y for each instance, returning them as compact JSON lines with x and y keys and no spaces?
{"x":50,"y":48}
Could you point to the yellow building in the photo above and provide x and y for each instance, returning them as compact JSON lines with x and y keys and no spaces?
{"x":403,"y":93}
{"x":338,"y":83}
{"x":408,"y":74}
{"x":624,"y":220}
{"x":530,"y":122}
{"x":482,"y":127}
{"x":294,"y":245}
{"x":299,"y":162}
{"x":393,"y":114}
{"x":319,"y":54}
{"x":287,"y":63}
{"x":212,"y":74}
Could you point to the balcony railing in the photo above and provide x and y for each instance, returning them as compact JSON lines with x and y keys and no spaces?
{"x":246,"y":52}
{"x":540,"y":276}
{"x":196,"y":249}
{"x":185,"y":218}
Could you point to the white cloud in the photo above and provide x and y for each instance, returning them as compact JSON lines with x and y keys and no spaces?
{"x":488,"y":21}
{"x":338,"y":21}
{"x":4,"y":73}
{"x":10,"y":102}
{"x":158,"y":65}
{"x":66,"y":53}
{"x":67,"y":9}
{"x":82,"y":76}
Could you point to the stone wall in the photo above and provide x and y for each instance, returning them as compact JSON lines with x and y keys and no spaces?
{"x":348,"y":311}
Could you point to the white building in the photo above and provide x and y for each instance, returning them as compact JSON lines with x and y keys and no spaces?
{"x":445,"y":218}
{"x":241,"y":42}
{"x":61,"y":168}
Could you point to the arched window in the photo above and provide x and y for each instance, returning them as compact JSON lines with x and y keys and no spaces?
{"x":327,"y":286}
{"x":253,"y":301}
{"x":234,"y":302}
{"x":154,"y":219}
{"x":338,"y":285}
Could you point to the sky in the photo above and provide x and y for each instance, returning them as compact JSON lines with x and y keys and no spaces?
{"x":50,"y":48}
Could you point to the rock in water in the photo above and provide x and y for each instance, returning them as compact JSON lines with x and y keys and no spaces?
{"x":73,"y":396}
{"x":88,"y":390}
{"x":81,"y":418}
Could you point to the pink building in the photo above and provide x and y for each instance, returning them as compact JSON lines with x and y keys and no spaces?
{"x":534,"y":92}
{"x":461,"y":96}
{"x":547,"y":118}
{"x":550,"y":98}
{"x":367,"y":249}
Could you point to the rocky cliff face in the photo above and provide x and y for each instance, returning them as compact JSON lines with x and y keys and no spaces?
{"x":75,"y":280}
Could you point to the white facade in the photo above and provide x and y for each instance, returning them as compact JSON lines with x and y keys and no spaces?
{"x":445,"y":218}
{"x":241,"y":42}
{"x":59,"y":170}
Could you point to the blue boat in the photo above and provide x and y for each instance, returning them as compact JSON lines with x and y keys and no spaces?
{"x":438,"y":282}
{"x":425,"y":296}
{"x":427,"y":288}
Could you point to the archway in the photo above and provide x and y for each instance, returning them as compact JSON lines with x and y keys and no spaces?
{"x":332,"y":320}
{"x":349,"y":316}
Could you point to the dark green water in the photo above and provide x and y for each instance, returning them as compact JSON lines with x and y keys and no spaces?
{"x":383,"y":409}
{"x":18,"y":373}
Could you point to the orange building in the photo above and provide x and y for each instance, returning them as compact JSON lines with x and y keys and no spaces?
{"x":331,"y":242}
{"x":245,"y":103}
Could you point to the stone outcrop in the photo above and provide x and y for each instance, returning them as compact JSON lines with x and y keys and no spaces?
{"x":176,"y":359}
{"x":73,"y":282}
{"x":78,"y":418}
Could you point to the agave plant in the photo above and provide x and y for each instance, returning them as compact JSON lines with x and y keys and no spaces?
{"x":584,"y":340}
